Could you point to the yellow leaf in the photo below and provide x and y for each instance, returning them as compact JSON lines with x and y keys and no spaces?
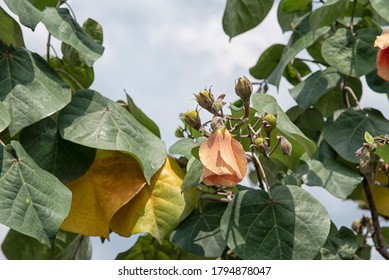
{"x":112,"y":181}
{"x":380,"y":194}
{"x":158,"y":208}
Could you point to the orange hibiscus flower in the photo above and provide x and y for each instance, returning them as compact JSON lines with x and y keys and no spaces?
{"x":224,"y":160}
{"x":382,"y":42}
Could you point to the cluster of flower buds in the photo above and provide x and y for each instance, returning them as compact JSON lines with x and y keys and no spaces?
{"x":362,"y":226}
{"x":206,"y":101}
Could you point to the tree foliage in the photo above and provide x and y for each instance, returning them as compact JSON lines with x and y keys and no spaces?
{"x":74,"y":163}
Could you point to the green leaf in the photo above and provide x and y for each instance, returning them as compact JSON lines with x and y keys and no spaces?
{"x":242,"y":15}
{"x":149,"y":248}
{"x":66,"y":160}
{"x":184,"y":146}
{"x":383,"y":152}
{"x":41,"y":4}
{"x":5,"y":119}
{"x":385,"y":233}
{"x":29,"y":15}
{"x":61,"y":25}
{"x":301,"y":38}
{"x":328,"y":13}
{"x":289,"y":224}
{"x":95,"y":121}
{"x":381,"y":7}
{"x":332,"y":176}
{"x":290,"y":12}
{"x":352,"y":55}
{"x":264,"y":103}
{"x":376,"y":83}
{"x":340,"y":245}
{"x":368,"y":138}
{"x":296,"y":70}
{"x":141,"y":117}
{"x":307,"y":92}
{"x":32,"y":201}
{"x":78,"y":76}
{"x":267,"y":62}
{"x":193,"y":175}
{"x":68,"y":246}
{"x":10,"y":32}
{"x":334,"y":100}
{"x":94,"y":29}
{"x":29,"y":88}
{"x":200,"y":232}
{"x":346,"y":133}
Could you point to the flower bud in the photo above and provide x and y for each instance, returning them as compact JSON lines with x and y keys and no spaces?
{"x":357,"y":226}
{"x":205,"y":99}
{"x":286,"y":146}
{"x":244,"y":88}
{"x":270,"y":121}
{"x":218,"y":104}
{"x":192,"y":119}
{"x":179,"y":133}
{"x":261,"y":144}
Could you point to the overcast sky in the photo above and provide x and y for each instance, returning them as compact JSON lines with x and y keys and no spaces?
{"x":163,"y":51}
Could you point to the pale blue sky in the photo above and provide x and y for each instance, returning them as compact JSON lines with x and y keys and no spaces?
{"x":163,"y":51}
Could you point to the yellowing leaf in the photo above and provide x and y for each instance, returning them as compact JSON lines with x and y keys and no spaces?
{"x":380,"y":194}
{"x":111,"y":182}
{"x":158,"y":208}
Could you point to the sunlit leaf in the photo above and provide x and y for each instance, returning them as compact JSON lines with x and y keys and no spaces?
{"x":289,"y":224}
{"x":184,"y":146}
{"x":243,"y":15}
{"x":29,"y":88}
{"x":327,"y":13}
{"x":264,"y":103}
{"x":301,"y":38}
{"x":352,"y":55}
{"x":32,"y":201}
{"x":148,"y":248}
{"x":5,"y":119}
{"x":29,"y":15}
{"x":307,"y":92}
{"x":346,"y":133}
{"x":332,"y":176}
{"x":193,"y":175}
{"x":158,"y":208}
{"x":68,"y":246}
{"x":112,"y":181}
{"x":61,"y":25}
{"x":10,"y":32}
{"x":381,"y":7}
{"x":66,"y":160}
{"x":95,"y":121}
{"x":200,"y":232}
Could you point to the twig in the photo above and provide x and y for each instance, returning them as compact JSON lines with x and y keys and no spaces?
{"x":380,"y":245}
{"x":352,"y":17}
{"x":354,"y":96}
{"x":48,"y":45}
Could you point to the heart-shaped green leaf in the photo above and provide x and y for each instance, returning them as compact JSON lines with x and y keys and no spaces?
{"x":381,"y":7}
{"x":64,"y":159}
{"x":95,"y":121}
{"x":29,"y":88}
{"x":32,"y":201}
{"x":200,"y":232}
{"x":352,"y":55}
{"x":307,"y":92}
{"x":346,"y":133}
{"x":327,"y":13}
{"x":289,"y":224}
